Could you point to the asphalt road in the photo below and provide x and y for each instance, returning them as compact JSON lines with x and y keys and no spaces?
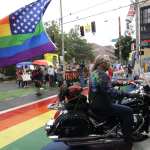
{"x":145,"y":145}
{"x":4,"y":105}
{"x":11,"y":85}
{"x":112,"y":146}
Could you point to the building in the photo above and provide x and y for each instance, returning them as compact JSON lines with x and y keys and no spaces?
{"x":145,"y":32}
{"x":52,"y":58}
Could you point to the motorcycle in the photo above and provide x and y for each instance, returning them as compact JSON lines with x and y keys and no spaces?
{"x":75,"y":123}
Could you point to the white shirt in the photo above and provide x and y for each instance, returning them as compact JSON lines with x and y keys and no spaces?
{"x":50,"y":71}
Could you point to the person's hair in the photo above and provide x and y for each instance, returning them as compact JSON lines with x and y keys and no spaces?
{"x":99,"y":60}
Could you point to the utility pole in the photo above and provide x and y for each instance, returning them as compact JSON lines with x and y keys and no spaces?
{"x":120,"y":52}
{"x":138,"y":43}
{"x":62,"y":35}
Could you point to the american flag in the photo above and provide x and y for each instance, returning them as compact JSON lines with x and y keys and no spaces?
{"x":131,"y":11}
{"x":25,"y":19}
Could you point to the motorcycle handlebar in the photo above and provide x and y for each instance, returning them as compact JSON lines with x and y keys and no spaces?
{"x":56,"y":106}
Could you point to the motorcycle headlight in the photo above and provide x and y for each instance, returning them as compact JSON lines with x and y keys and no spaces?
{"x":49,"y":124}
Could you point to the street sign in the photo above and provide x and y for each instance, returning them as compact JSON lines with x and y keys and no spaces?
{"x":114,"y":40}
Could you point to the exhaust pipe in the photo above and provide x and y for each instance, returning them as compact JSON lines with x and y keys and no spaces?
{"x":88,"y":138}
{"x":76,"y":139}
{"x":100,"y":141}
{"x":53,"y":137}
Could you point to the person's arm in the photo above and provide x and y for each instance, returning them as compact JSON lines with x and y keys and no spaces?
{"x":108,"y":88}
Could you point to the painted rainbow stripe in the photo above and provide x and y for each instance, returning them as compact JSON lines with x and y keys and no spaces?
{"x":21,"y":121}
{"x":18,"y":122}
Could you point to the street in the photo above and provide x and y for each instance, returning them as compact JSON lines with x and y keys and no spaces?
{"x":27,"y":122}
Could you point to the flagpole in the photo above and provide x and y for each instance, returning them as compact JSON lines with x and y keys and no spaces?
{"x":62,"y":34}
{"x":120,"y":51}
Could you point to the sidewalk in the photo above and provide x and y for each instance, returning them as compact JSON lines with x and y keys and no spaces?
{"x":14,"y":102}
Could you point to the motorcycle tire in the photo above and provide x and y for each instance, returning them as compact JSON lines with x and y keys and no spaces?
{"x":73,"y":125}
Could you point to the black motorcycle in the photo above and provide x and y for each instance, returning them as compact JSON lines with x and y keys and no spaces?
{"x":76,"y":124}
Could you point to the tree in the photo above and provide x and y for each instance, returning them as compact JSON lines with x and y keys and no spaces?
{"x":123,"y":44}
{"x":75,"y":47}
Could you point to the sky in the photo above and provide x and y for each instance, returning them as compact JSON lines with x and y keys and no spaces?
{"x":106,"y":23}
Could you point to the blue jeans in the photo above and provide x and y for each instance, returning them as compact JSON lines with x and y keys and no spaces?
{"x":125,"y":115}
{"x":82,"y":82}
{"x":122,"y":112}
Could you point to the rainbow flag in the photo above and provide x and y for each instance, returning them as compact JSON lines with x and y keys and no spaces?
{"x":22,"y":35}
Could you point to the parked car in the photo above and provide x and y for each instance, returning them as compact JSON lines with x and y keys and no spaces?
{"x":4,"y":77}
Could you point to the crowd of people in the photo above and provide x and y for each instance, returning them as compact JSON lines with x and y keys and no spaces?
{"x":40,"y":76}
{"x":50,"y":76}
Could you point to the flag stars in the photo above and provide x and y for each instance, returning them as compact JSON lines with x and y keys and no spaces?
{"x":16,"y":13}
{"x":26,"y":27}
{"x":27,"y":9}
{"x":31,"y":12}
{"x":42,"y":7}
{"x":23,"y":13}
{"x":22,"y":30}
{"x":34,"y":8}
{"x":13,"y":17}
{"x":32,"y":19}
{"x":30,"y":5}
{"x":38,"y":4}
{"x":28,"y":16}
{"x":33,"y":26}
{"x":30,"y":30}
{"x":14,"y":25}
{"x":20,"y":17}
{"x":38,"y":18}
{"x":35,"y":15}
{"x":18,"y":27}
{"x":45,"y":3}
{"x":17,"y":21}
{"x":24,"y":20}
{"x":29,"y":23}
{"x":21,"y":24}
{"x":15,"y":31}
{"x":38,"y":11}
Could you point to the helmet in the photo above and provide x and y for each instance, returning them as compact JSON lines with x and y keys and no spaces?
{"x":74,"y":91}
{"x":70,"y":92}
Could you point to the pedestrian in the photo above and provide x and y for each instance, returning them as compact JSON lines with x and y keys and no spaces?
{"x":38,"y":77}
{"x":19,"y":77}
{"x":81,"y":75}
{"x":130,"y":77}
{"x":59,"y":77}
{"x":51,"y":74}
{"x":110,"y":72}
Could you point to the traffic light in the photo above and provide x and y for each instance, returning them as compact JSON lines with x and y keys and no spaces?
{"x":93,"y":26}
{"x":82,"y":30}
{"x":141,"y":52}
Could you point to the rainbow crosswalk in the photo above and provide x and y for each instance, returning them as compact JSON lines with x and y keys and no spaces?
{"x":22,"y":128}
{"x":21,"y":121}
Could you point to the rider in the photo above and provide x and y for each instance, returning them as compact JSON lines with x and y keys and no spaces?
{"x":101,"y":94}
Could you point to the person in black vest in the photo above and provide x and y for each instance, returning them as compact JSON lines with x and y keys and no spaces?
{"x":102,"y":94}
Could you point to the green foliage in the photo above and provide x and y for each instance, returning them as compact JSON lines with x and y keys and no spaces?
{"x":123,"y":44}
{"x":74,"y":46}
